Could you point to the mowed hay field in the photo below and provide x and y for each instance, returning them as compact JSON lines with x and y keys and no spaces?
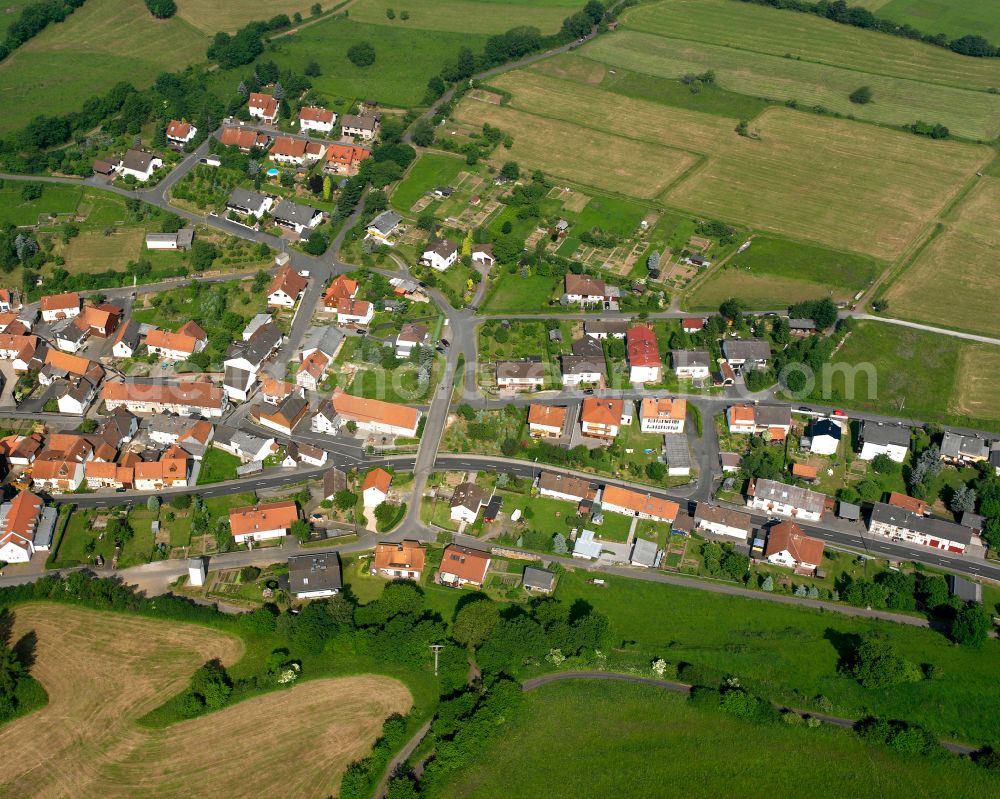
{"x":212,"y":16}
{"x":469,"y":16}
{"x":976,"y":384}
{"x":953,"y":17}
{"x":954,"y":282}
{"x":898,"y":101}
{"x":100,"y":44}
{"x":102,"y":671}
{"x":857,"y":188}
{"x":624,"y":166}
{"x":644,"y":742}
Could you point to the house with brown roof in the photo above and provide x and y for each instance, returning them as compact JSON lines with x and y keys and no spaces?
{"x":312,"y":370}
{"x":20,"y":450}
{"x":286,"y":288}
{"x":284,"y":417}
{"x":372,"y":416}
{"x":565,"y":487}
{"x":102,"y":320}
{"x":60,"y":306}
{"x":244,"y":139}
{"x":399,"y":561}
{"x":789,"y":546}
{"x":602,"y":418}
{"x":188,"y":398}
{"x":632,"y":503}
{"x":263,"y":107}
{"x":262,"y":522}
{"x":58,"y":365}
{"x":180,"y":132}
{"x":585,"y":290}
{"x":723,"y":521}
{"x":461,"y":566}
{"x":466,"y":502}
{"x":313,"y":117}
{"x":57,"y":475}
{"x":362,"y":126}
{"x":354,"y":312}
{"x":140,"y":165}
{"x":546,"y":421}
{"x":189,"y":339}
{"x":412,"y":334}
{"x":439,"y":254}
{"x":527,"y":375}
{"x":375,"y":488}
{"x":662,"y":415}
{"x":344,"y":159}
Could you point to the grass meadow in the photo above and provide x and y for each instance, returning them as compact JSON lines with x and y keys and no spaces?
{"x":954,"y":282}
{"x":212,"y":16}
{"x":100,"y":44}
{"x":851,"y":187}
{"x":941,"y":16}
{"x":774,"y":268}
{"x":595,"y":739}
{"x":57,"y":198}
{"x":430,"y":170}
{"x":469,"y":16}
{"x":918,"y":376}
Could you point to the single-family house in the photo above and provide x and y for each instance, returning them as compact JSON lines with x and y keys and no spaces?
{"x":295,"y":216}
{"x":244,"y":139}
{"x":315,"y":576}
{"x":189,"y":339}
{"x":824,"y":437}
{"x":313,"y":117}
{"x":462,"y":566}
{"x":312,"y":370}
{"x":244,"y":202}
{"x":771,"y":496}
{"x":633,"y":503}
{"x":581,"y":369}
{"x":788,"y":546}
{"x":439,"y":254}
{"x":601,"y":329}
{"x":662,"y":415}
{"x":180,"y":132}
{"x":344,"y":159}
{"x":901,"y":524}
{"x":375,"y":488}
{"x":297,"y":152}
{"x":170,"y":471}
{"x":140,"y":165}
{"x":645,"y":553}
{"x":283,"y":417}
{"x":879,"y":438}
{"x":399,"y":561}
{"x":741,"y":419}
{"x":263,"y":107}
{"x":102,"y":320}
{"x":546,"y":421}
{"x":962,"y":450}
{"x":466,"y":502}
{"x":360,"y":126}
{"x":60,"y":306}
{"x":643,"y":355}
{"x":341,"y":288}
{"x":354,"y":312}
{"x":586,"y":290}
{"x":602,"y":418}
{"x":693,"y":325}
{"x":263,"y":521}
{"x":692,"y":364}
{"x":723,"y":521}
{"x":527,"y":375}
{"x":70,"y":334}
{"x":126,"y":342}
{"x":565,"y":487}
{"x":746,"y":354}
{"x":285,"y":289}
{"x":412,"y":334}
{"x":383,"y":226}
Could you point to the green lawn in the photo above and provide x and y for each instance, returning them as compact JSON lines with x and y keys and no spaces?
{"x":953,"y":17}
{"x":216,"y":466}
{"x":774,"y":272}
{"x":470,"y":16}
{"x":516,"y":294}
{"x":75,"y":547}
{"x":640,"y":741}
{"x":56,"y":199}
{"x":428,"y":171}
{"x":612,"y":215}
{"x":790,"y":654}
{"x":541,"y":513}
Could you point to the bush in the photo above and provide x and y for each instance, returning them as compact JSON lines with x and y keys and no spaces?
{"x":861,"y":96}
{"x":161,"y":9}
{"x":361,"y":54}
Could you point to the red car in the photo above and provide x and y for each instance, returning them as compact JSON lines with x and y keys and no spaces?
{"x":839,"y":413}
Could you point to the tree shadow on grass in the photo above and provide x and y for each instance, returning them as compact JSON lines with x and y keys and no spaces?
{"x":846,"y":644}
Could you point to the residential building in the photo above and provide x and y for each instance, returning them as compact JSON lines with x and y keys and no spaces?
{"x":284,"y":417}
{"x":440,"y":254}
{"x":693,"y":325}
{"x":528,"y":375}
{"x":383,"y":226}
{"x":76,"y":395}
{"x":912,"y":504}
{"x":20,"y":450}
{"x":376,"y":416}
{"x":399,"y":561}
{"x":57,"y":475}
{"x":582,"y":369}
{"x":412,"y":334}
{"x":546,"y":421}
{"x":140,"y":165}
{"x":263,"y":107}
{"x":180,"y":132}
{"x":26,"y":526}
{"x":662,"y":415}
{"x":244,"y":139}
{"x":483,"y":254}
{"x":785,"y":500}
{"x":746,"y":354}
{"x":587,"y":546}
{"x":295,"y":216}
{"x":344,"y":159}
{"x":190,"y":398}
{"x":723,"y":521}
{"x":170,"y":471}
{"x":315,"y":576}
{"x":693,"y":364}
{"x":179,"y":346}
{"x":313,"y":117}
{"x":565,"y":487}
{"x":901,"y":524}
{"x":326,"y":339}
{"x":586,"y":290}
{"x":59,"y":365}
{"x":127,"y":339}
{"x":245,"y":446}
{"x":602,"y":329}
{"x":362,"y":126}
{"x":538,"y":580}
{"x":354,"y":312}
{"x":248,"y":203}
{"x":101,"y":320}
{"x":297,"y":152}
{"x":70,"y":334}
{"x":602,"y":418}
{"x":341,"y":288}
{"x":375,"y":488}
{"x":960,"y":450}
{"x":775,"y":420}
{"x":741,"y":419}
{"x":263,"y":521}
{"x":312,"y":370}
{"x":645,"y":553}
{"x":633,"y":503}
{"x":462,"y":566}
{"x":466,"y":502}
{"x":60,"y":306}
{"x":878,"y":438}
{"x":824,"y":437}
{"x":643,"y":355}
{"x":285,"y":289}
{"x":789,"y":546}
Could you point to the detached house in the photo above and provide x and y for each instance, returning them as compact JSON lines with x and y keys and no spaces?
{"x":344,"y":159}
{"x":286,"y":288}
{"x":466,"y":502}
{"x":263,"y":107}
{"x":402,"y":561}
{"x":180,"y":133}
{"x":262,"y":522}
{"x":585,"y":290}
{"x":189,"y":339}
{"x":546,"y":421}
{"x":520,"y":375}
{"x":140,"y":165}
{"x":296,"y":152}
{"x":632,"y":503}
{"x":60,"y":306}
{"x":341,"y":288}
{"x":663,"y":415}
{"x":643,"y":355}
{"x":26,"y":526}
{"x":354,"y":312}
{"x":602,"y":418}
{"x":383,"y":226}
{"x":244,"y":139}
{"x":363,"y":126}
{"x":411,"y":335}
{"x":901,"y":524}
{"x":375,"y":488}
{"x":462,"y":566}
{"x":248,"y":203}
{"x":296,"y":217}
{"x":313,"y":117}
{"x":312,"y":370}
{"x":824,"y":437}
{"x":884,"y":439}
{"x":578,"y":369}
{"x":440,"y":254}
{"x":789,"y":546}
{"x":565,"y":487}
{"x":315,"y":576}
{"x":771,"y":496}
{"x":746,"y":354}
{"x":693,"y":364}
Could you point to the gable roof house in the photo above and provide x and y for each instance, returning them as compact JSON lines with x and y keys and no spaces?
{"x":750,"y":353}
{"x":170,"y":471}
{"x":466,"y":502}
{"x":643,"y":352}
{"x":631,"y":503}
{"x":566,"y":487}
{"x":126,"y":340}
{"x":189,"y":398}
{"x":340,"y":288}
{"x":354,"y":312}
{"x":463,"y":566}
{"x":785,"y":500}
{"x":961,"y":450}
{"x":789,"y":546}
{"x":824,"y":437}
{"x":540,"y":580}
{"x":376,"y":416}
{"x":361,"y":126}
{"x":313,"y":117}
{"x":602,"y":418}
{"x":723,"y":521}
{"x":375,"y":487}
{"x":399,"y":561}
{"x":244,"y":139}
{"x":586,"y":290}
{"x":60,"y":306}
{"x":286,"y":288}
{"x":248,"y":203}
{"x":440,"y":254}
{"x":383,"y":226}
{"x":546,"y":421}
{"x":189,"y":339}
{"x":263,"y":521}
{"x":26,"y":526}
{"x":606,"y":328}
{"x":312,"y":370}
{"x":287,"y":150}
{"x":284,"y":417}
{"x":527,"y":375}
{"x":662,"y":415}
{"x":877,"y":438}
{"x":180,"y":132}
{"x":70,"y":334}
{"x":59,"y":365}
{"x":315,"y":576}
{"x":901,"y":524}
{"x":344,"y":159}
{"x":295,"y":216}
{"x":140,"y":165}
{"x":411,"y":334}
{"x":581,"y":369}
{"x":694,"y":364}
{"x":263,"y":107}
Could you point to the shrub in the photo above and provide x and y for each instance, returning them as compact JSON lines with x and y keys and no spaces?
{"x":361,"y":54}
{"x":861,"y":96}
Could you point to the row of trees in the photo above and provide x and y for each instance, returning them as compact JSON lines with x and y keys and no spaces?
{"x":33,"y":19}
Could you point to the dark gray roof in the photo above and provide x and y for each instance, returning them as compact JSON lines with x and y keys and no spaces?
{"x":773,"y":415}
{"x":690,"y":358}
{"x":610,"y":327}
{"x":244,"y":198}
{"x":442,"y":247}
{"x":539,"y":579}
{"x":358,"y":121}
{"x":676,"y":450}
{"x":749,"y":349}
{"x":520,"y":370}
{"x":237,"y":378}
{"x":256,"y":348}
{"x":826,"y":427}
{"x":334,"y":480}
{"x":883,"y":434}
{"x":138,"y":160}
{"x":589,"y":347}
{"x":801,"y":324}
{"x":848,"y":510}
{"x":927,"y":525}
{"x":966,"y":590}
{"x":468,"y":495}
{"x":581,"y":364}
{"x":972,"y":520}
{"x":786,"y":494}
{"x":644,"y":552}
{"x":287,"y":211}
{"x":386,"y":222}
{"x":321,"y":572}
{"x":954,"y":445}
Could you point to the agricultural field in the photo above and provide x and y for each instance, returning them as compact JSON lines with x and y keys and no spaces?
{"x":103,"y":672}
{"x":101,"y":43}
{"x":212,"y":16}
{"x":620,"y":726}
{"x":405,"y":59}
{"x":847,"y":186}
{"x":469,"y":16}
{"x":953,"y":282}
{"x":917,"y":375}
{"x":427,"y":172}
{"x":953,"y":17}
{"x":774,"y":268}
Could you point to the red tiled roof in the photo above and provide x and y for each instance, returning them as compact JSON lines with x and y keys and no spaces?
{"x":642,"y":347}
